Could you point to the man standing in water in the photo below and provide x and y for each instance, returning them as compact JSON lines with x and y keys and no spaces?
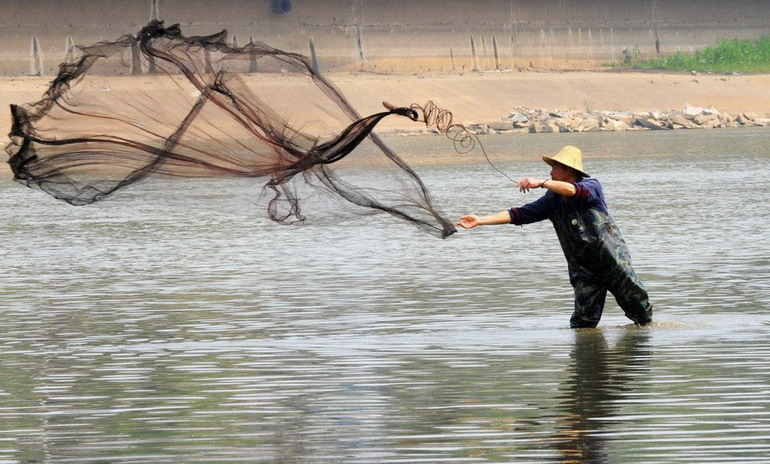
{"x":597,"y":256}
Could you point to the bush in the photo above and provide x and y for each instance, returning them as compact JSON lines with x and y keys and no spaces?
{"x":732,"y":55}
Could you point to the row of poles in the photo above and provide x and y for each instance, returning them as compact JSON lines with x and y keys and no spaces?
{"x":71,"y":54}
{"x":479,"y":60}
{"x":285,"y":6}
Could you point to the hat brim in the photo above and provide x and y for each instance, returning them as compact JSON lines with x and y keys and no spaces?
{"x":552,"y":161}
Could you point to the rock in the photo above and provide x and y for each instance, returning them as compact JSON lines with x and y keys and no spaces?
{"x":501,"y":125}
{"x":750,"y":116}
{"x":545,"y":121}
{"x":650,"y":124}
{"x":588,"y":125}
{"x":693,"y":111}
{"x":680,"y":120}
{"x":625,"y":117}
{"x":614,"y":125}
{"x":518,"y":118}
{"x":703,"y":119}
{"x":549,"y":129}
{"x":535,"y":127}
{"x":595,"y":116}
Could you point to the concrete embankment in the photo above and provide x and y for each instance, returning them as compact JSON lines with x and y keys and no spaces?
{"x":393,"y":36}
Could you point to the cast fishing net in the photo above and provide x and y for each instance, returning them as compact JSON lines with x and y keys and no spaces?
{"x":197,"y":115}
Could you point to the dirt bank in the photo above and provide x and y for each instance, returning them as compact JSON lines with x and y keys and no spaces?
{"x":486,"y":97}
{"x":481,"y":97}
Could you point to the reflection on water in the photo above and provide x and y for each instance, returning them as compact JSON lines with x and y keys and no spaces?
{"x":601,"y":377}
{"x":150,"y":328}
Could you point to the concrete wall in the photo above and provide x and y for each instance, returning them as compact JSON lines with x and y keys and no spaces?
{"x":393,"y":35}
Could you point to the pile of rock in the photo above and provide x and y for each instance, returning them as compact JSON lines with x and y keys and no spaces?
{"x":542,"y":121}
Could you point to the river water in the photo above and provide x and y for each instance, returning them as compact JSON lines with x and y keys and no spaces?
{"x":165,"y":328}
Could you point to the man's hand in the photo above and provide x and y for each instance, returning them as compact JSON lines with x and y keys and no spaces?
{"x":468,"y":222}
{"x":529,"y":183}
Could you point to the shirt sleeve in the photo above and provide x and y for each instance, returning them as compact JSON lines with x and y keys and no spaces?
{"x":538,"y":210}
{"x":589,"y":194}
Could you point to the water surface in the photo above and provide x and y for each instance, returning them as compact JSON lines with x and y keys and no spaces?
{"x":170,"y":324}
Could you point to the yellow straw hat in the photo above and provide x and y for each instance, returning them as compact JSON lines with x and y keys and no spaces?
{"x":568,"y":156}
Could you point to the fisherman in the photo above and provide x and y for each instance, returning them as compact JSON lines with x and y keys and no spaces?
{"x":597,"y":256}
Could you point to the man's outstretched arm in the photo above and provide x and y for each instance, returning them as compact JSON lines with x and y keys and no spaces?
{"x":470,"y":221}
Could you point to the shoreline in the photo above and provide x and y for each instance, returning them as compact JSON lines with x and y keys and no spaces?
{"x":481,"y":98}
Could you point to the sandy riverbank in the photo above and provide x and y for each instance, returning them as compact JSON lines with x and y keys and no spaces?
{"x":485,"y":97}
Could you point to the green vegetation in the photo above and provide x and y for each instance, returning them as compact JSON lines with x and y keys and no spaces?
{"x":745,"y":56}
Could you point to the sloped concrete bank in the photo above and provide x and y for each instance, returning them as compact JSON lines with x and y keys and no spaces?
{"x":396,"y":35}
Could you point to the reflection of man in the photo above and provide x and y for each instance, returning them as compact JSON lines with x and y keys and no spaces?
{"x":597,"y":256}
{"x":601,"y":376}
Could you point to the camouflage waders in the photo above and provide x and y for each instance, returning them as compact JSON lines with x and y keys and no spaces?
{"x":599,"y":261}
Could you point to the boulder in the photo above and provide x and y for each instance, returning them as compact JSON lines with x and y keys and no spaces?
{"x":549,"y":128}
{"x":625,"y":117}
{"x":588,"y":125}
{"x":650,"y":124}
{"x":518,"y":118}
{"x":704,"y":119}
{"x":750,"y":116}
{"x":521,"y":125}
{"x":614,"y":125}
{"x":501,"y":125}
{"x":693,"y":111}
{"x":550,"y":121}
{"x":678,"y":119}
{"x":478,"y":129}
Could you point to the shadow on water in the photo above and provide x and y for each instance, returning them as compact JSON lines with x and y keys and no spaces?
{"x":601,"y":376}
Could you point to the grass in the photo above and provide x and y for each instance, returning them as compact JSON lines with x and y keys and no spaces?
{"x":742,"y":56}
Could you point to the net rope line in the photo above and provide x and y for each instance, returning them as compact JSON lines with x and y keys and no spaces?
{"x":463,"y":140}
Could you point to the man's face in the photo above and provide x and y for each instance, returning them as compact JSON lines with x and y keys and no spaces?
{"x":561,"y":172}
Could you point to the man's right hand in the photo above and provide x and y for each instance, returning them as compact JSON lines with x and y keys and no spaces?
{"x":468,"y":222}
